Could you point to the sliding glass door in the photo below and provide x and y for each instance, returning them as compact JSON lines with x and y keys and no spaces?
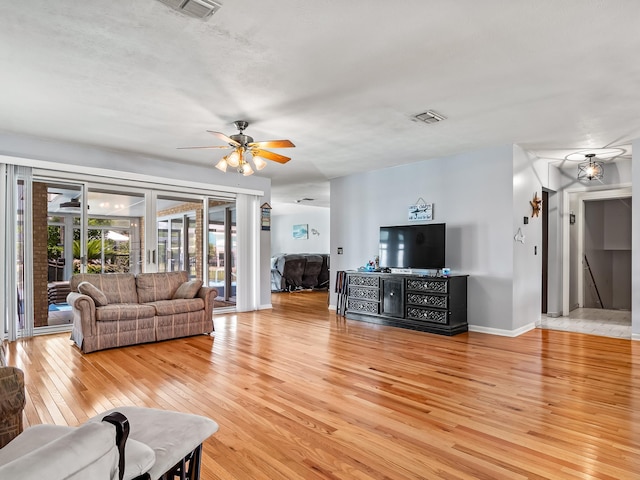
{"x":57,"y":225}
{"x":114,"y":240}
{"x":61,"y":248}
{"x":222,"y":251}
{"x":59,"y":228}
{"x":179,"y":231}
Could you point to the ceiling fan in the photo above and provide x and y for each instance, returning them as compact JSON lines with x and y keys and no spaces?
{"x":243,"y":144}
{"x":72,"y":203}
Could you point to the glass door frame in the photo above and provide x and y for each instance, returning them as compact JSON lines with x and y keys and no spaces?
{"x":227,"y":211}
{"x":202,"y":201}
{"x":53,"y":172}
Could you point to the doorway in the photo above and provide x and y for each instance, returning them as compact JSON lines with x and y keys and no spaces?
{"x":596,"y":246}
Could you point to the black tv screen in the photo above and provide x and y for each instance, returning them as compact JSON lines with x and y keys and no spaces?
{"x":413,"y":246}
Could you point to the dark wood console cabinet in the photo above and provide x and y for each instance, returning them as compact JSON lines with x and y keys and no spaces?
{"x":425,"y":303}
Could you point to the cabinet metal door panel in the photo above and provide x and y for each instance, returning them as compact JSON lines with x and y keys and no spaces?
{"x":392,"y":297}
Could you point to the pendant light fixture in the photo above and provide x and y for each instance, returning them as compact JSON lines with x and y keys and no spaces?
{"x":590,"y":169}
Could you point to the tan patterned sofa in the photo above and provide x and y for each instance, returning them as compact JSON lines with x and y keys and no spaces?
{"x":118,"y":309}
{"x":12,"y":399}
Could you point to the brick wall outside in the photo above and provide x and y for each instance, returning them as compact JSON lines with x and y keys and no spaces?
{"x":40,"y":261}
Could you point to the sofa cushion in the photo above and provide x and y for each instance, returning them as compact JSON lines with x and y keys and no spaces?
{"x":117,"y":287}
{"x":158,"y":286}
{"x":124,"y":311}
{"x":180,"y":305}
{"x":98,"y":296}
{"x":188,"y":289}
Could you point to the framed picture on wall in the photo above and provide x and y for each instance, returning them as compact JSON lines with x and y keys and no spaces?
{"x":301,"y":231}
{"x":421,"y":211}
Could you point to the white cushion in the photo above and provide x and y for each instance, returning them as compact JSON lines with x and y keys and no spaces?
{"x":172,"y":435}
{"x":85,"y":452}
{"x":139,"y":458}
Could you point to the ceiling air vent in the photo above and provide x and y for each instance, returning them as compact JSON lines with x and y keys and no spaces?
{"x":430,"y":117}
{"x":305,"y":199}
{"x":194,"y":8}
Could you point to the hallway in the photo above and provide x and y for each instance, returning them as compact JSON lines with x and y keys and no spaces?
{"x":594,"y":321}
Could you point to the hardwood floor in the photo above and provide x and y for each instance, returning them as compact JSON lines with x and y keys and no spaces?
{"x":300,"y":393}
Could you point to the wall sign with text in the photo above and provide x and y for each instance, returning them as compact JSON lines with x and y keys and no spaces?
{"x":421,"y":211}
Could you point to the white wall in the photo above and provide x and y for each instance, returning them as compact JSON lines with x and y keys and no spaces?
{"x":472,"y":193}
{"x":317,"y":218}
{"x":528,"y":174}
{"x":75,"y":154}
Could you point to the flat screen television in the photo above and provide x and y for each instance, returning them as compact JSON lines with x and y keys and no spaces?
{"x":413,"y":246}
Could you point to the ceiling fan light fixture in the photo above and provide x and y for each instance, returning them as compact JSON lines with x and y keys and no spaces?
{"x":245,"y":169}
{"x":590,"y":169}
{"x":222,"y":164}
{"x":241,"y":144}
{"x":259,"y":162}
{"x":234,"y":159}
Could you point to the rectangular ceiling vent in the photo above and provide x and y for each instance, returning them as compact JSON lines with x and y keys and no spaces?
{"x":194,"y":8}
{"x":430,"y":117}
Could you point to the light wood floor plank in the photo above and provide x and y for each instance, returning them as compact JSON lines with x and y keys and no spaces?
{"x":300,"y":393}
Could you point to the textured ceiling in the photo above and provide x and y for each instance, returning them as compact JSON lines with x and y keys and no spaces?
{"x":341,"y":79}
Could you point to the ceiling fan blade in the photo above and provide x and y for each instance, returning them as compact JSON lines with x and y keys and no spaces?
{"x":270,"y":155}
{"x":224,"y":138}
{"x":183,"y":148}
{"x":272,"y":144}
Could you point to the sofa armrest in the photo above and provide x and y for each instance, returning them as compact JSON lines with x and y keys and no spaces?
{"x":208,"y":294}
{"x":12,"y":402}
{"x":84,"y":312}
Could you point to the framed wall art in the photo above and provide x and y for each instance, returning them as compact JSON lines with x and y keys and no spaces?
{"x":301,"y":231}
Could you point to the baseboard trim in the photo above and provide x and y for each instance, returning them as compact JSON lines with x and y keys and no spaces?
{"x":501,"y":332}
{"x":266,"y":306}
{"x":635,"y":336}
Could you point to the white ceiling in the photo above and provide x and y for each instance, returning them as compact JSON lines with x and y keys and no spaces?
{"x":341,"y":79}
